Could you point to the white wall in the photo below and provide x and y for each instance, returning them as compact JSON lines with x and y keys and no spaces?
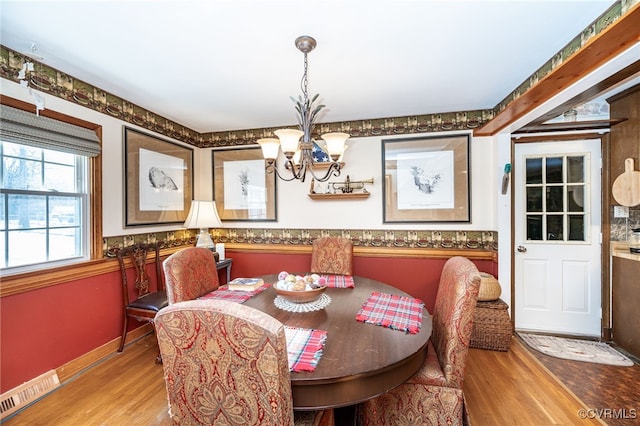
{"x":363,"y":160}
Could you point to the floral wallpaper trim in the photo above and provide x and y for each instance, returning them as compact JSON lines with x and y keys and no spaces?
{"x":469,"y":240}
{"x":62,"y":85}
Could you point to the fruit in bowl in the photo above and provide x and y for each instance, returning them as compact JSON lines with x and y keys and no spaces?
{"x":298,"y":288}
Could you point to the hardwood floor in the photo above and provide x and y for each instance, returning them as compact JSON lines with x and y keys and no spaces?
{"x":501,"y":388}
{"x":601,"y":387}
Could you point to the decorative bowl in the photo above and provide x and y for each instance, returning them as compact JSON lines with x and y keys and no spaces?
{"x":303,"y":296}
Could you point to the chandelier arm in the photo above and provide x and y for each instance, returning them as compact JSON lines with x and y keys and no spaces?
{"x":273,"y":168}
{"x":333,"y":170}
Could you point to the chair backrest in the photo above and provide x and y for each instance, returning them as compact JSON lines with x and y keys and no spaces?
{"x":224,"y":363}
{"x":138,"y":254}
{"x":332,"y":255}
{"x":453,"y":317}
{"x":189,"y":274}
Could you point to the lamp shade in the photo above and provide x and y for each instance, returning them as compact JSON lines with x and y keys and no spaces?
{"x":289,"y":139}
{"x":203,"y":214}
{"x":335,"y":144}
{"x":270,"y":147}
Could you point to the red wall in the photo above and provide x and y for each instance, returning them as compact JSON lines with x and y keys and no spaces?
{"x":417,"y":276}
{"x":46,"y":328}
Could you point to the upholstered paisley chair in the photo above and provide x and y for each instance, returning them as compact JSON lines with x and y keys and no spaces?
{"x":332,"y":255}
{"x":189,"y":274}
{"x":226,"y":364}
{"x":433,"y":396}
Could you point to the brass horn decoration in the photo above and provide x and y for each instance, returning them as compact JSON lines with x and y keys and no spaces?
{"x":348,"y":189}
{"x":349,"y":185}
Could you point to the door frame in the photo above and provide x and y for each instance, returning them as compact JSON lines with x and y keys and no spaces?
{"x":605,"y":225}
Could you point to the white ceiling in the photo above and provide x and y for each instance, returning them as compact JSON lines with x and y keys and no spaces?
{"x":231,"y":64}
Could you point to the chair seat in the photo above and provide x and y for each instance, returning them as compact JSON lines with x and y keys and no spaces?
{"x":151,"y":302}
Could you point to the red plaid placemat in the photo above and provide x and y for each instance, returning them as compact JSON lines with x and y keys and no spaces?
{"x":388,"y":310}
{"x":239,"y":296}
{"x":304,"y":347}
{"x":339,"y":281}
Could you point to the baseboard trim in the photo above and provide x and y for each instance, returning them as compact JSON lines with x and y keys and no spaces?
{"x":69,"y":370}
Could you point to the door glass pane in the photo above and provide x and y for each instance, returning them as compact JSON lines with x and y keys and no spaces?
{"x":575,"y":169}
{"x":534,"y":227}
{"x":554,"y":228}
{"x":534,"y":170}
{"x":554,"y":199}
{"x":534,"y":199}
{"x":557,"y":195}
{"x":554,"y":169}
{"x":575,"y":198}
{"x":576,"y":227}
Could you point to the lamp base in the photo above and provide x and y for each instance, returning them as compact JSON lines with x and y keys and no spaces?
{"x":204,"y":239}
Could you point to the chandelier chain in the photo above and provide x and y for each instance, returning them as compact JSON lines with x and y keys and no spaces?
{"x":305,"y":81}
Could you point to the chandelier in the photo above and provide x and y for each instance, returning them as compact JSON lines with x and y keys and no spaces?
{"x":299,"y":153}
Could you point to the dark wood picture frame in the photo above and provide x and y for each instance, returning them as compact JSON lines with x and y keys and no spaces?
{"x":426,"y":179}
{"x":158,"y":180}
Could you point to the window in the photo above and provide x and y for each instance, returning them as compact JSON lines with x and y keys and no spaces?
{"x":43,"y":205}
{"x":556,"y":187}
{"x":44,"y":191}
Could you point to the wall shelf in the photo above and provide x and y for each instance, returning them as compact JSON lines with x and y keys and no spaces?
{"x":339,"y":196}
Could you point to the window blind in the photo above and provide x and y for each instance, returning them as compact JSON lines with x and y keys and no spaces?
{"x":25,"y":128}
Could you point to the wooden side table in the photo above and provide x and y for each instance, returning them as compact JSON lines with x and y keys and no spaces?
{"x":226,"y":263}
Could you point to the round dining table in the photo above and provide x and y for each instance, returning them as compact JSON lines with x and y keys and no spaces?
{"x":360,"y":360}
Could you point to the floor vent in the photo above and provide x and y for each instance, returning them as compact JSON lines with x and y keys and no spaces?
{"x":18,"y":397}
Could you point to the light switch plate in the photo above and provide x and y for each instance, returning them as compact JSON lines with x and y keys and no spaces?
{"x":620,"y":211}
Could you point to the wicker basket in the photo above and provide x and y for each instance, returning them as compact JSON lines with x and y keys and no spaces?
{"x":489,"y":287}
{"x":491,"y":326}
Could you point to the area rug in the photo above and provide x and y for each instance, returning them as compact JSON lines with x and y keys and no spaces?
{"x":576,"y":349}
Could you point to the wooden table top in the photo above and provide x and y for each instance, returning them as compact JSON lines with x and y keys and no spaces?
{"x":360,"y":361}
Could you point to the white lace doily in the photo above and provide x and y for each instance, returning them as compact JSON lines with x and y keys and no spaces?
{"x":316,"y":305}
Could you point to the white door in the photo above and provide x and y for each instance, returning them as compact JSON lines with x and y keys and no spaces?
{"x":557,"y":237}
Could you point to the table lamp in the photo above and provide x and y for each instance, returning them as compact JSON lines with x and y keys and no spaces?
{"x":203,"y":215}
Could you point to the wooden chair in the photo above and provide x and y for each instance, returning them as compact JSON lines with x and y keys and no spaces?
{"x":332,"y":255}
{"x":148,"y":300}
{"x":226,"y":363}
{"x":433,"y":396}
{"x":189,"y":274}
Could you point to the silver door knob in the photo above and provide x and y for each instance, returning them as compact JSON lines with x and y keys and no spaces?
{"x":522,"y":249}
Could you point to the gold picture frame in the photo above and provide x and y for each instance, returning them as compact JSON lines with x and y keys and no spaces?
{"x":158,"y":180}
{"x":426,"y":179}
{"x":242,"y":188}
